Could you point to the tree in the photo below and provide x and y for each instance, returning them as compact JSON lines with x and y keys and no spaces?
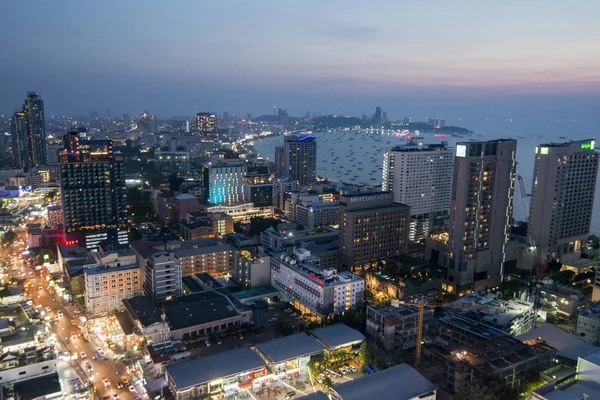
{"x":326,"y":382}
{"x":259,"y":224}
{"x":364,"y":355}
{"x":475,"y":390}
{"x":175,"y":182}
{"x":134,"y":195}
{"x":50,"y":196}
{"x":154,"y":178}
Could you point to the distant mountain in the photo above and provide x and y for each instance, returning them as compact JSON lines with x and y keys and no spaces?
{"x":335,"y":122}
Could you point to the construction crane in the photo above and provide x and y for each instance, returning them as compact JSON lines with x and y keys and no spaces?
{"x":421,"y":304}
{"x":540,"y":269}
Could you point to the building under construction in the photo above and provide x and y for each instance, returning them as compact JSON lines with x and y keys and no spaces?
{"x":468,"y":350}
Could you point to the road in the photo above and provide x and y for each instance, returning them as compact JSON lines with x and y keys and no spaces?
{"x":71,"y":337}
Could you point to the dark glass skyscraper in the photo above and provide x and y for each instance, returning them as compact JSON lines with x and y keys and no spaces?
{"x":29,"y":133}
{"x":92,"y":185}
{"x":297,"y":159}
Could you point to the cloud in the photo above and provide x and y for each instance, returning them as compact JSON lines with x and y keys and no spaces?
{"x":347,"y":31}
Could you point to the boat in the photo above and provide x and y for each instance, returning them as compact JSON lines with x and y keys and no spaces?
{"x":562,"y":137}
{"x":440,"y":136}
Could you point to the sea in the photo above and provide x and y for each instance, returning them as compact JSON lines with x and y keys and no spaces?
{"x":357,"y":157}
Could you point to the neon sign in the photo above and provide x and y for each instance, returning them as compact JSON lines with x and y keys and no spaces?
{"x":589,"y":146}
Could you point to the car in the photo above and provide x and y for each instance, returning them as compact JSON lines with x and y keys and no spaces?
{"x":219,"y":341}
{"x":289,"y":395}
{"x":86,"y":337}
{"x":120,"y":385}
{"x":82,"y":355}
{"x":124,"y":379}
{"x":207,"y":343}
{"x":88,"y":366}
{"x":241,"y":337}
{"x":48,"y":309}
{"x":106,"y":382}
{"x":100,"y":352}
{"x":116,"y":396}
{"x":60,"y":313}
{"x":73,"y":322}
{"x":293,"y":314}
{"x":132,"y":389}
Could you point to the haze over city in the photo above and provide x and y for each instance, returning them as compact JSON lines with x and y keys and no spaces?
{"x":299,"y":200}
{"x":459,"y":59}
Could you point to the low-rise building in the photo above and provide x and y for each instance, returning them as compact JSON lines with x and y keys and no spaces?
{"x":288,"y":239}
{"x":196,"y":230}
{"x":27,"y":364}
{"x":568,"y":346}
{"x":584,"y":384}
{"x":467,"y":350}
{"x":512,"y":316}
{"x":109,"y":282}
{"x":216,"y":375}
{"x":290,"y":354}
{"x":240,"y":212}
{"x":394,"y":325}
{"x":162,"y":276}
{"x":172,"y":162}
{"x":216,"y":260}
{"x":401,"y":382}
{"x":588,"y":324}
{"x":313,"y":290}
{"x":561,"y":299}
{"x":251,"y":270}
{"x":202,"y":315}
{"x":338,"y":337}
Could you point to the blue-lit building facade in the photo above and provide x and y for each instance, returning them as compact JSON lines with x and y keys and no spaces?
{"x":92,"y":184}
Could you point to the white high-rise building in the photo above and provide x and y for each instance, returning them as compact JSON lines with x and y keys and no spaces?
{"x":420,"y":176}
{"x":562,"y":198}
{"x":480,"y":211}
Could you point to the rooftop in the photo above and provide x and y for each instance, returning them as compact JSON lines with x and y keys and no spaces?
{"x":67,"y":251}
{"x":337,"y":335}
{"x":204,"y":250}
{"x":38,"y":387}
{"x":186,"y":196}
{"x":508,"y":309}
{"x":191,"y":244}
{"x":575,"y":391}
{"x":567,"y":345}
{"x":209,"y":368}
{"x":403,"y":381}
{"x":290,"y":347}
{"x":316,"y":396}
{"x":107,"y":269}
{"x":304,"y":266}
{"x":592,"y":312}
{"x":182,"y":312}
{"x":145,"y":248}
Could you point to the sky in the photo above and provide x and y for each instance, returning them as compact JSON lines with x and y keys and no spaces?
{"x":521,"y":58}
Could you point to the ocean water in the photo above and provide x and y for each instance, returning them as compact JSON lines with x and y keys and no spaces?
{"x":355,"y":157}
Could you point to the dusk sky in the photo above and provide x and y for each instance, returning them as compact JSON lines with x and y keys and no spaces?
{"x":448,"y":58}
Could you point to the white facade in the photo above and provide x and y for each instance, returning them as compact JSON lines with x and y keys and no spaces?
{"x":420,"y":176}
{"x":562,"y":198}
{"x":588,"y":325}
{"x":12,"y":375}
{"x":313,"y":290}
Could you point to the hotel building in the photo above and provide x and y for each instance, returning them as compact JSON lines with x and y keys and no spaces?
{"x":420,"y":176}
{"x":372,"y":228}
{"x":313,"y":290}
{"x":562,"y":198}
{"x":481,"y":208}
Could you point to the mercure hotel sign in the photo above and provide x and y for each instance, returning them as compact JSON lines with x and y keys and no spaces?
{"x":363,"y":199}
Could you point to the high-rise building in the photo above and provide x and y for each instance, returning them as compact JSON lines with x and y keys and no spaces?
{"x":298,"y":159}
{"x":206,"y":123}
{"x":172,"y":162}
{"x":29,"y":133}
{"x":225,"y":181}
{"x":283,"y":117}
{"x":377,"y":117}
{"x":480,"y":211}
{"x":20,"y":147}
{"x":372,"y":228}
{"x":562,"y":198}
{"x":420,"y":176}
{"x":280,"y":170}
{"x":92,"y":185}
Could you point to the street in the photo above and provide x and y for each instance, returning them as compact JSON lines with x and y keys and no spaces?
{"x":71,"y":337}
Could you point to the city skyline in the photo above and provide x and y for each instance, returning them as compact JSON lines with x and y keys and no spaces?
{"x":463,"y":59}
